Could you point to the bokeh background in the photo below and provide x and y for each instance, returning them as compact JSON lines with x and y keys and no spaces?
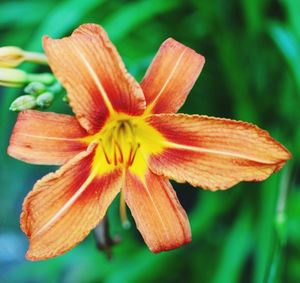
{"x":250,"y":233}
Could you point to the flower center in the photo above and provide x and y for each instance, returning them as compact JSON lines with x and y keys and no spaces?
{"x":125,"y":142}
{"x":118,"y":142}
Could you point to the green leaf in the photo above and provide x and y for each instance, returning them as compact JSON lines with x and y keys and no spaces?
{"x":132,"y":15}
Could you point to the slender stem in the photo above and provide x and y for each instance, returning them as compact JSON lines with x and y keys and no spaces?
{"x":280,"y":227}
{"x":45,"y":78}
{"x":36,"y":57}
{"x":284,"y":185}
{"x":103,"y":239}
{"x":56,"y":88}
{"x":123,"y":214}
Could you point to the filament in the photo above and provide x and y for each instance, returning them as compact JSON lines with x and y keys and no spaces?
{"x":104,"y":151}
{"x":123,"y":213}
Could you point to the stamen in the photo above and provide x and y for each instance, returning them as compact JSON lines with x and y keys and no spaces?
{"x":121,"y":159}
{"x":115,"y":155}
{"x":130,"y":161}
{"x":105,"y":154}
{"x":121,"y":138}
{"x":130,"y":154}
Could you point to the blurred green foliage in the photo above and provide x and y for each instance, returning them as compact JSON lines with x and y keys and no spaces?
{"x":250,"y":233}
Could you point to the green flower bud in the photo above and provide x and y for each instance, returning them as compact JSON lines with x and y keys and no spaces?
{"x":35,"y":88}
{"x":13,"y":77}
{"x":23,"y":102}
{"x":11,"y":56}
{"x":17,"y":77}
{"x":45,"y":99}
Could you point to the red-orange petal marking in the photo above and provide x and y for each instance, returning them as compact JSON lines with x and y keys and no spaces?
{"x":158,"y":214}
{"x":65,"y":206}
{"x":46,"y":138}
{"x":171,"y":76}
{"x":214,"y":153}
{"x":90,"y":68}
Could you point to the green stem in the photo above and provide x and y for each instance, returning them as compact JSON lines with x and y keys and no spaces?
{"x":36,"y":57}
{"x":280,"y":222}
{"x":45,"y":78}
{"x":56,"y":88}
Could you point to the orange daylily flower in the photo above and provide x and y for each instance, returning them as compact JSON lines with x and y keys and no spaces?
{"x":126,"y":139}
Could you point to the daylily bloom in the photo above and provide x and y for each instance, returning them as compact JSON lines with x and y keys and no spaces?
{"x":126,"y":139}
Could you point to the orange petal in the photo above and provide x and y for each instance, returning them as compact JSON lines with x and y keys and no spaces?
{"x":64,"y":206}
{"x":90,"y":68}
{"x":214,"y":153}
{"x":171,"y":76}
{"x":46,"y":138}
{"x":158,"y":214}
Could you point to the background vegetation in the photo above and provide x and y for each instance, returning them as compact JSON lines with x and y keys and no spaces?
{"x":250,"y":233}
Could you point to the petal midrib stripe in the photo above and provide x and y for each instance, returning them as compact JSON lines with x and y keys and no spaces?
{"x":67,"y":205}
{"x":155,"y":207}
{"x":217,"y":152}
{"x":96,"y":80}
{"x":50,"y":138}
{"x":168,"y":79}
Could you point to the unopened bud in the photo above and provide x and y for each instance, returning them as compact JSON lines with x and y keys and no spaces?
{"x":45,"y":99}
{"x":11,"y":56}
{"x":17,"y":77}
{"x":35,"y":88}
{"x":23,"y":102}
{"x":13,"y":77}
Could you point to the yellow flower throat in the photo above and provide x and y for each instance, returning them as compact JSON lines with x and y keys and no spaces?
{"x":118,"y":143}
{"x":125,"y":142}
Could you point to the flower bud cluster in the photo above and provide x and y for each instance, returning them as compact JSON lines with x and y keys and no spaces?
{"x":39,"y":89}
{"x":37,"y":95}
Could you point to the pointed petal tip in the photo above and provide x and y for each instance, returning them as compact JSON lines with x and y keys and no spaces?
{"x":46,"y":37}
{"x":173,"y":43}
{"x":45,"y":40}
{"x":172,"y":73}
{"x":32,"y":257}
{"x":285,"y":157}
{"x":162,"y":222}
{"x":94,"y":28}
{"x":171,"y":246}
{"x":214,"y":153}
